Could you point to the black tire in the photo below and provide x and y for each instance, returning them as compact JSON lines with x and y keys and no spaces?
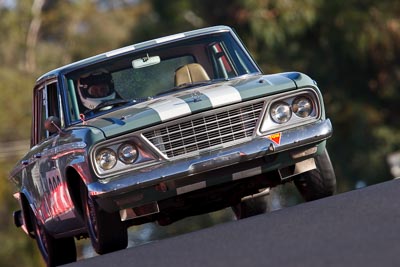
{"x":54,"y":251}
{"x":318,"y":183}
{"x":106,"y":231}
{"x":250,"y":207}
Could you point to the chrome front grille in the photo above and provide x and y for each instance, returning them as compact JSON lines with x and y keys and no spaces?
{"x":213,"y":130}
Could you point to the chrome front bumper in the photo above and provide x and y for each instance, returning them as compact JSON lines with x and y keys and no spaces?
{"x":126,"y":189}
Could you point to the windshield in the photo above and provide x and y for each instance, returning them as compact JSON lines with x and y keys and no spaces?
{"x":157,"y":70}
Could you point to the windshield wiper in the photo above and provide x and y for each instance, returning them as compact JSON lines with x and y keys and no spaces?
{"x":116,"y":103}
{"x":109,"y":103}
{"x":185,"y":86}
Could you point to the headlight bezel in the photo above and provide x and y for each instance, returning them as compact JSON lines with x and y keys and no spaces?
{"x":268,"y":125}
{"x":144,"y":156}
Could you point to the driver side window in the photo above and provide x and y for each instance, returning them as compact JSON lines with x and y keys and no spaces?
{"x":46,"y":105}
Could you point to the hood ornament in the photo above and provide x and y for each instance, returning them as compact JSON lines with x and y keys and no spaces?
{"x":196,"y":96}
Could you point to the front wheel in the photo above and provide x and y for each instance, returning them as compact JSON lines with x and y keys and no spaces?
{"x":318,"y":183}
{"x":106,"y":231}
{"x":54,"y":251}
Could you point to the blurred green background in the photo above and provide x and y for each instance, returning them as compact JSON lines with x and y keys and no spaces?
{"x":351,"y":48}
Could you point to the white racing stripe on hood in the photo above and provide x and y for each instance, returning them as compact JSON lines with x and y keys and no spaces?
{"x":222,"y":95}
{"x":171,"y":108}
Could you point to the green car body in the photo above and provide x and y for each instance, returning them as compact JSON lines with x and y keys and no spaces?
{"x":156,"y":149}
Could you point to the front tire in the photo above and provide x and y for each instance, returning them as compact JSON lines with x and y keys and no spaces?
{"x":318,"y":183}
{"x":106,"y":231}
{"x":54,"y":251}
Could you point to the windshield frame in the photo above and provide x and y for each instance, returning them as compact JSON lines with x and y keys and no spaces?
{"x":114,"y":60}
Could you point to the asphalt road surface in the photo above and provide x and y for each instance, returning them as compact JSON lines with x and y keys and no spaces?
{"x":357,"y":228}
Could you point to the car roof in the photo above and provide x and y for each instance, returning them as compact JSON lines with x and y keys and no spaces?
{"x":130,"y":48}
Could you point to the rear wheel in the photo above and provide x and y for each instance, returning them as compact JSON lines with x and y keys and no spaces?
{"x":106,"y":231}
{"x":54,"y":251}
{"x":318,"y":183}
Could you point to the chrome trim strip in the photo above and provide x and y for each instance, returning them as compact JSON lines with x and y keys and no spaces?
{"x":169,"y":38}
{"x":246,"y":173}
{"x":120,"y":51}
{"x":190,"y":188}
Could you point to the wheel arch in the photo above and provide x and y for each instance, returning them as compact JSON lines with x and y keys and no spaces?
{"x":74,"y":183}
{"x":26,"y":213}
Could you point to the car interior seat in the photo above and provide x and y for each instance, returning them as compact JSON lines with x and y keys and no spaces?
{"x":190,"y":73}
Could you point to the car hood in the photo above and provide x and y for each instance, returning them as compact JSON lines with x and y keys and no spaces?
{"x":194,"y":100}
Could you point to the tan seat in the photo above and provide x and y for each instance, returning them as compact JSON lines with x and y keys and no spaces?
{"x":190,"y":73}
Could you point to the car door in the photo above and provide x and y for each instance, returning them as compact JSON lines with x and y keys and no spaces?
{"x":51,"y":196}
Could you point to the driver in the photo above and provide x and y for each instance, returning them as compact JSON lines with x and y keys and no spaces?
{"x":96,"y":88}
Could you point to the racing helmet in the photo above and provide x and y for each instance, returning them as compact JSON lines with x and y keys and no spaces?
{"x":96,"y":88}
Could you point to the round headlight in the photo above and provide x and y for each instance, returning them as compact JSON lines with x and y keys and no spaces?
{"x":302,"y":106}
{"x":106,"y":159}
{"x":280,"y":112}
{"x":127,"y":153}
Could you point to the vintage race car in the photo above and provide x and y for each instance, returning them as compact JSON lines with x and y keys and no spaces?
{"x":161,"y":130}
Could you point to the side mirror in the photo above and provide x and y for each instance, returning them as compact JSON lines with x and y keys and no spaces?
{"x":53,"y":124}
